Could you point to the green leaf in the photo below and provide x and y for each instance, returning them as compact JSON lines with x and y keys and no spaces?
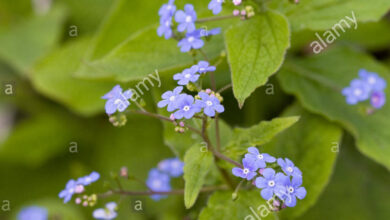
{"x":256,"y":49}
{"x":359,"y":189}
{"x":197,"y":165}
{"x":259,"y":134}
{"x":53,"y":77}
{"x":249,"y":206}
{"x":313,"y":78}
{"x":25,"y":43}
{"x":324,"y":14}
{"x":143,"y":54}
{"x":312,"y":144}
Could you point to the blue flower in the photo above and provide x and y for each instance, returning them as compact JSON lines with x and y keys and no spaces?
{"x":259,"y":160}
{"x":158,"y":182}
{"x":378,"y":99}
{"x":204,"y":67}
{"x":291,"y":190}
{"x":69,"y":190}
{"x":192,"y":40}
{"x":116,"y":100}
{"x":187,"y":107}
{"x":358,"y":90}
{"x":167,"y":10}
{"x":172,"y":166}
{"x":86,"y":180}
{"x":186,"y":19}
{"x":216,"y":6}
{"x":188,"y":75}
{"x":205,"y":33}
{"x":375,"y":82}
{"x":33,"y":213}
{"x":247,"y":172}
{"x":270,"y":182}
{"x":170,"y":99}
{"x":165,"y":28}
{"x":107,"y":213}
{"x":210,"y":104}
{"x":289,"y":168}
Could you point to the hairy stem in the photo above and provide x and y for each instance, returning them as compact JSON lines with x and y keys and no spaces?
{"x":228,"y":86}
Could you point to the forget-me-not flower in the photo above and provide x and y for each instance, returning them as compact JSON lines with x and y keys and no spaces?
{"x":171,"y":166}
{"x":216,"y":6}
{"x":289,"y":168}
{"x":69,"y":190}
{"x":186,"y":18}
{"x":165,"y":28}
{"x":33,"y":213}
{"x":247,"y":172}
{"x":186,"y":107}
{"x":210,"y":104}
{"x":107,"y":213}
{"x":170,"y":99}
{"x":159,"y":182}
{"x":375,"y":82}
{"x":378,"y":99}
{"x":269,"y":182}
{"x":258,"y":159}
{"x":358,"y":90}
{"x":167,"y":10}
{"x":188,"y":75}
{"x":206,"y":33}
{"x":116,"y":100}
{"x":191,"y":41}
{"x":204,"y":67}
{"x":291,"y":190}
{"x":86,"y":180}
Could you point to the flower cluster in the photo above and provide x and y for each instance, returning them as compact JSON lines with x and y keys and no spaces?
{"x":185,"y":105}
{"x":368,"y":86}
{"x":33,"y":213}
{"x":77,"y":186}
{"x":107,"y":213}
{"x":284,"y":186}
{"x":159,"y":179}
{"x":117,"y":100}
{"x":216,"y":5}
{"x":185,"y":22}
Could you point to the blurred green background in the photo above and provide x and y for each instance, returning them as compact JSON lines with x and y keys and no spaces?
{"x":54,"y":58}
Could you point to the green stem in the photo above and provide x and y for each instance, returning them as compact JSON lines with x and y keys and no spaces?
{"x":215,"y":18}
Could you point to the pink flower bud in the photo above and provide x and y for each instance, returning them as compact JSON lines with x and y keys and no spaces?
{"x":124,"y":172}
{"x":172,"y":117}
{"x":236,"y":12}
{"x":181,"y":124}
{"x":243,"y":12}
{"x":276,"y":203}
{"x":85,"y":203}
{"x":79,"y":189}
{"x":208,"y":91}
{"x":261,"y":170}
{"x":236,"y":2}
{"x":78,"y":201}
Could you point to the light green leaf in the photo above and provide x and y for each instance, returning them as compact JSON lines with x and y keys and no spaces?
{"x":249,"y":206}
{"x":311,"y":79}
{"x":256,"y":49}
{"x":323,"y":14}
{"x":257,"y":135}
{"x":53,"y":77}
{"x":197,"y":165}
{"x":25,"y":43}
{"x":352,"y":195}
{"x":312,"y":144}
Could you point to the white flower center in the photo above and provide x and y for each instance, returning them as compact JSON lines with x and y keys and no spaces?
{"x":290,"y":189}
{"x":209,"y":103}
{"x":357,"y":92}
{"x":371,"y":80}
{"x":188,"y":19}
{"x":289,"y":169}
{"x":191,"y":39}
{"x":186,"y":108}
{"x":219,"y":1}
{"x":167,"y":23}
{"x":271,"y":183}
{"x":117,"y":101}
{"x":172,"y":98}
{"x":260,"y":156}
{"x":187,"y":75}
{"x":202,"y":69}
{"x":246,"y":171}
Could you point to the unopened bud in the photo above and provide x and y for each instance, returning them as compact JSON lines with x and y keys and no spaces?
{"x":236,"y":12}
{"x":182,"y":124}
{"x":172,"y":117}
{"x":79,"y":189}
{"x":124,"y":172}
{"x":261,"y":171}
